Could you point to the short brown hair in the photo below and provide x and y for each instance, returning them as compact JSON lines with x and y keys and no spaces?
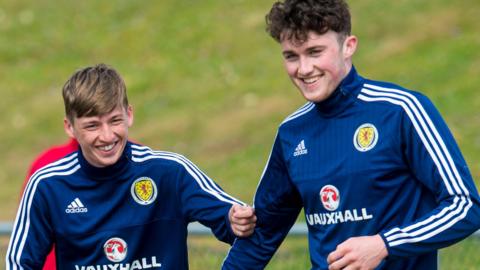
{"x":295,"y":18}
{"x":93,"y":91}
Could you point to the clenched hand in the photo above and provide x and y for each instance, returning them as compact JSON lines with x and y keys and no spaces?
{"x":242,"y":220}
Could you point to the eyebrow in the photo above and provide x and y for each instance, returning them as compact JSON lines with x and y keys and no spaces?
{"x":314,"y":47}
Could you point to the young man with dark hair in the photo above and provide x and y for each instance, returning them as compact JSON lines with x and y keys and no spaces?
{"x":376,"y":169}
{"x":114,"y":204}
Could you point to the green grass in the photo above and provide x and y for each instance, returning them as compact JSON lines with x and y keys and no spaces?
{"x":206,"y":80}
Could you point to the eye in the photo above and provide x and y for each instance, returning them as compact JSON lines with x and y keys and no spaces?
{"x":290,"y":57}
{"x":91,"y":126}
{"x":117,"y":121}
{"x":315,"y":52}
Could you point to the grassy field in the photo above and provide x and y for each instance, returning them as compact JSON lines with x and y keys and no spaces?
{"x":205,"y":80}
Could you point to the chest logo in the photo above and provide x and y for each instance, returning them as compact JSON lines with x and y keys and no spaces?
{"x":330,"y":197}
{"x":115,"y":249}
{"x":76,"y":206}
{"x":300,"y":149}
{"x":365,"y":138}
{"x":144,"y":190}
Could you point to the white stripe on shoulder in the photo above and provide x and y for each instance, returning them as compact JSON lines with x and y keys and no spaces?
{"x":439,"y":154}
{"x":66,"y":159}
{"x":301,"y":111}
{"x":143,"y":153}
{"x":65,"y":166}
{"x":440,"y":150}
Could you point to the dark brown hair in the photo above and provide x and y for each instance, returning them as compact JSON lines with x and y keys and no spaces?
{"x":293,"y":19}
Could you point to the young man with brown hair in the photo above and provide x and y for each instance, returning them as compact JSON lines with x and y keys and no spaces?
{"x":114,"y":204}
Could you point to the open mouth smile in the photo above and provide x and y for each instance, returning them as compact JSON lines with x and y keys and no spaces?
{"x":107,"y":148}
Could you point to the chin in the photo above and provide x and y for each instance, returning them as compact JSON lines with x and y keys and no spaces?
{"x":314,"y":98}
{"x":107,"y":161}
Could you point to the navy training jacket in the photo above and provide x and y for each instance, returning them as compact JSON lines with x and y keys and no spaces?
{"x":374,"y":158}
{"x":131,"y":215}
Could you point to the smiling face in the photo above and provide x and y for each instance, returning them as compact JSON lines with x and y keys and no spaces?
{"x":97,"y":113}
{"x":101,"y":138}
{"x":318,"y":65}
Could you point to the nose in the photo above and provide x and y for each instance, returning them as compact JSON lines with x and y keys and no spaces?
{"x":106,"y":133}
{"x":305,"y":66}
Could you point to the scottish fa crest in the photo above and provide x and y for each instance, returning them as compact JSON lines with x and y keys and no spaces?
{"x":144,"y":190}
{"x":365,"y":138}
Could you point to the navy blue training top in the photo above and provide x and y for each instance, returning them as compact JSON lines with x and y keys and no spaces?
{"x":131,"y":215}
{"x":373,"y":158}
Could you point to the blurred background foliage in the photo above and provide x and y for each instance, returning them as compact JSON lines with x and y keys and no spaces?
{"x":205,"y":80}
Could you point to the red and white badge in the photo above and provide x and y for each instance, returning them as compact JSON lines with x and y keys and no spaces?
{"x":115,"y":249}
{"x":330,"y":197}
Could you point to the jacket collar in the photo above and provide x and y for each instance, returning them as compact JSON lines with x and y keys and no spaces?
{"x":343,"y":97}
{"x":112,"y":172}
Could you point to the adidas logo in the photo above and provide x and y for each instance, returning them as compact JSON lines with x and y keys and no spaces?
{"x":76,"y":206}
{"x":300,"y":150}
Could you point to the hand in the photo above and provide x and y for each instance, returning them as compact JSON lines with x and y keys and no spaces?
{"x":242,"y":220}
{"x":362,"y":253}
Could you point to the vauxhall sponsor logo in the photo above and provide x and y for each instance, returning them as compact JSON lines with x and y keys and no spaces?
{"x":116,"y":250}
{"x":338,"y":217}
{"x":144,"y":263}
{"x":330,"y":198}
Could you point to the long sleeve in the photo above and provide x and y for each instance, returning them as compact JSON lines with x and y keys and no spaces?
{"x":436,"y":161}
{"x":277,"y":205}
{"x":31,"y":239}
{"x":204,"y":201}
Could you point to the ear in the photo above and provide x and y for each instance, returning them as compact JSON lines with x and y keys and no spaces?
{"x":130,"y":115}
{"x":68,"y":127}
{"x":349,"y":46}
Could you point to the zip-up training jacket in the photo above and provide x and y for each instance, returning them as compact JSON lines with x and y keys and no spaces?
{"x":373,"y":158}
{"x":131,"y":215}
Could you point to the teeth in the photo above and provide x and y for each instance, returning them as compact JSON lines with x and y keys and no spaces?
{"x":107,"y":147}
{"x":310,"y":80}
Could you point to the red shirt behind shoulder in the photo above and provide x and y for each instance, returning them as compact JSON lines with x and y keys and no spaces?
{"x":52,"y":154}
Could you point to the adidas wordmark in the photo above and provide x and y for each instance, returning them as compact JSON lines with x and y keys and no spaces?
{"x":76,"y":206}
